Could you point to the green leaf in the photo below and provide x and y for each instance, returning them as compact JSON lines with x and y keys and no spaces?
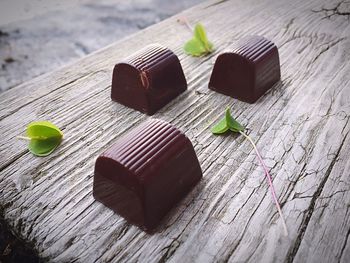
{"x":233,"y":125}
{"x":43,"y":147}
{"x":44,"y":137}
{"x":199,"y":33}
{"x":199,"y":45}
{"x":227,"y":123}
{"x":220,"y":127}
{"x":194,"y":47}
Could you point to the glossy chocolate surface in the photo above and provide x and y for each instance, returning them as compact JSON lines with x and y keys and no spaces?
{"x":246,"y":72}
{"x":148,"y":80}
{"x":146,"y":172}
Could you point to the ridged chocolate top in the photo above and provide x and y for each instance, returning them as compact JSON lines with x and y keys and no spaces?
{"x":253,"y":48}
{"x":148,"y":57}
{"x":142,"y":148}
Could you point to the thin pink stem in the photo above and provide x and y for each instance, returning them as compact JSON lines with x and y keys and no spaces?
{"x":183,"y":20}
{"x":23,"y":138}
{"x":269,"y":179}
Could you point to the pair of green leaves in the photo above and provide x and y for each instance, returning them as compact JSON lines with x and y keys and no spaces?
{"x":43,"y":136}
{"x":227,"y":123}
{"x":199,"y":45}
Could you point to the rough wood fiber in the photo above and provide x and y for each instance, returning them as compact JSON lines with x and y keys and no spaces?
{"x":301,"y":126}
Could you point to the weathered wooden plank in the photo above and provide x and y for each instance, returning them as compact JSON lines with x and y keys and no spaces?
{"x":301,"y":127}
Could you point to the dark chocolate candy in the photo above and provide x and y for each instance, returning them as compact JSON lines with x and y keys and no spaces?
{"x":146,"y":172}
{"x":248,"y":71}
{"x":148,"y":80}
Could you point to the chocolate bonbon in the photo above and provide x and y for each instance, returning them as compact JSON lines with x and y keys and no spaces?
{"x":248,"y":70}
{"x":146,"y":172}
{"x":149,"y":79}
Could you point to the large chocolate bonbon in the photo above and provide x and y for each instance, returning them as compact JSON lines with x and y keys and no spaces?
{"x":246,"y":72}
{"x":148,"y":80}
{"x":146,"y":172}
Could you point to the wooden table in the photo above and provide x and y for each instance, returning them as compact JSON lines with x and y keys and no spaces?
{"x":301,"y":127}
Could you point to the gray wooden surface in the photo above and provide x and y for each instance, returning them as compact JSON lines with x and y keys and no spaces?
{"x":301,"y":128}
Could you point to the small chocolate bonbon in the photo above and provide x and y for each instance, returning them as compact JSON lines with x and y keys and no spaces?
{"x":248,"y":70}
{"x":148,"y":80}
{"x":146,"y":172}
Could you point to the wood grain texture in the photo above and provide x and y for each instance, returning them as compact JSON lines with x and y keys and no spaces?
{"x":301,"y":127}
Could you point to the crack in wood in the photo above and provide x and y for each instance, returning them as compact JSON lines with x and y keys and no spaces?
{"x":15,"y":158}
{"x":296,"y":36}
{"x":328,"y":47}
{"x":117,"y":237}
{"x":335,"y":11}
{"x":170,"y":249}
{"x":335,"y":193}
{"x":344,"y":245}
{"x":231,"y":252}
{"x":307,"y":216}
{"x":239,"y":209}
{"x":288,"y":26}
{"x":216,"y":3}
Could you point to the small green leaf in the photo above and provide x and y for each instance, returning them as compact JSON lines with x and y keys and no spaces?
{"x":233,"y":125}
{"x":199,"y":44}
{"x":43,"y":147}
{"x":194,"y":47}
{"x":227,"y":123}
{"x":221,"y":127}
{"x":44,"y":137}
{"x":199,"y":33}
